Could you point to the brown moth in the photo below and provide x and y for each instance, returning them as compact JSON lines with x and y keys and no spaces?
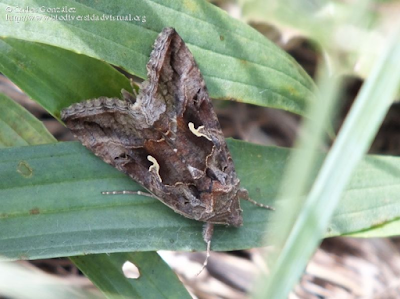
{"x":168,"y":138}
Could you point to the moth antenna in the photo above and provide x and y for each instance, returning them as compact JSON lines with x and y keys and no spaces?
{"x":259,"y":204}
{"x":243,"y":194}
{"x":129,"y":192}
{"x":207,"y":236}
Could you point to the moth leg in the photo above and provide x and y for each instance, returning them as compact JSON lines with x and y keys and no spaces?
{"x":130,"y":192}
{"x":243,"y":194}
{"x":208,"y":230}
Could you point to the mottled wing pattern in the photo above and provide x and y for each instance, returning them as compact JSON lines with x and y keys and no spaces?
{"x":169,"y":139}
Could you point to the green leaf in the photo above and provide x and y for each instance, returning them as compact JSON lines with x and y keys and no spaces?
{"x":236,"y":61}
{"x":156,"y":278}
{"x":19,"y":127}
{"x":384,"y":229}
{"x":56,"y":78}
{"x":54,"y":206}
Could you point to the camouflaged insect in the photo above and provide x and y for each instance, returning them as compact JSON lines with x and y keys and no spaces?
{"x":168,"y":138}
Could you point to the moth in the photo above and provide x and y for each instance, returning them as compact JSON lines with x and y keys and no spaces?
{"x":167,"y":138}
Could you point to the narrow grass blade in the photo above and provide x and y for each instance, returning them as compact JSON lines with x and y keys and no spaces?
{"x":357,"y":132}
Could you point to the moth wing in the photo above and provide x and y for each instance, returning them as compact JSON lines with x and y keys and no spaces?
{"x":189,"y":121}
{"x":193,"y":141}
{"x":107,"y":128}
{"x":169,"y":140}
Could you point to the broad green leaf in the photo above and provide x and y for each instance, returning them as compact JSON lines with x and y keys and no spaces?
{"x":19,"y":127}
{"x":59,"y":211}
{"x":109,"y":278}
{"x":156,"y":279}
{"x":236,"y":61}
{"x":56,"y":78}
